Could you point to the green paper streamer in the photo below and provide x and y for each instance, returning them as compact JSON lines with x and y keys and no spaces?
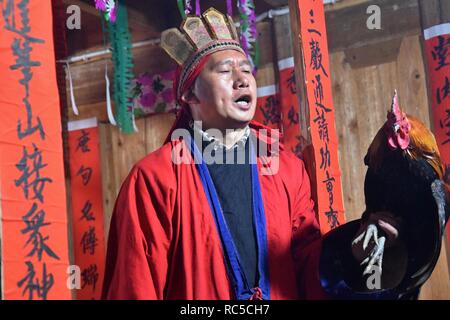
{"x":181,"y":8}
{"x":120,"y":41}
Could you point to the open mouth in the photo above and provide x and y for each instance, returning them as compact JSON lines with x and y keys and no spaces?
{"x":243,"y":101}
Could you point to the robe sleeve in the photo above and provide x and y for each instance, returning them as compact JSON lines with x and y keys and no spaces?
{"x":306,"y":239}
{"x":139,"y":238}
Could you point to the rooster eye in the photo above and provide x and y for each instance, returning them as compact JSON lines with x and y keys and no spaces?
{"x":396,"y":127}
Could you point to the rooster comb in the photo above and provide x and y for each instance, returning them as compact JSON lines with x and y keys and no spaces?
{"x":397,"y":126}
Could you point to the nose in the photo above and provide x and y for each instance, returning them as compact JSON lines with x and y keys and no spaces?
{"x":241,"y":81}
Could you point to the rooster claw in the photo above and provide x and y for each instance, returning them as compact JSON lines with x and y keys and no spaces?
{"x":371,"y":232}
{"x":375,"y":257}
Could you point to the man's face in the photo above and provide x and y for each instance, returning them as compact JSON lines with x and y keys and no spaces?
{"x":224,"y":94}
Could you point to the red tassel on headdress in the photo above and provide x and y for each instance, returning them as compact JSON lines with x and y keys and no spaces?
{"x":184,"y":113}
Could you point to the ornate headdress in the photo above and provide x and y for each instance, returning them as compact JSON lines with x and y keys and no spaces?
{"x":198,"y":38}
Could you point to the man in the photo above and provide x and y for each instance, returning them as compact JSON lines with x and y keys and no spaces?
{"x":185,"y":227}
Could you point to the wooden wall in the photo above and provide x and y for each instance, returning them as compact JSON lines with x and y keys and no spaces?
{"x":120,"y":152}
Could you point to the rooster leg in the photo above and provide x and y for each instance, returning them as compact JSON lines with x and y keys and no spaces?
{"x":367,"y":235}
{"x":376,"y":257}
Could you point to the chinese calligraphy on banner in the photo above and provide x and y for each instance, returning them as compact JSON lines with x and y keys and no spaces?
{"x":321,"y":110}
{"x":437,"y":47}
{"x":87,"y":206}
{"x":32,"y":188}
{"x":268,"y":107}
{"x":289,"y":106}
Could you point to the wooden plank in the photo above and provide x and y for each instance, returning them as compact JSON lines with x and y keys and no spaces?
{"x":282,"y":28}
{"x":340,"y":4}
{"x":120,"y":152}
{"x":145,"y":21}
{"x":86,"y":111}
{"x":411,"y":79}
{"x":343,"y":4}
{"x":85,"y":7}
{"x":428,"y":10}
{"x":304,"y":116}
{"x":265,"y":38}
{"x":136,"y":17}
{"x":346,"y":102}
{"x":277,"y":3}
{"x":127,"y":149}
{"x":108,"y":165}
{"x":89,"y":77}
{"x":438,"y":286}
{"x":266,"y":70}
{"x":156,"y":129}
{"x":346,"y":27}
{"x":445,"y":10}
{"x":373,"y":54}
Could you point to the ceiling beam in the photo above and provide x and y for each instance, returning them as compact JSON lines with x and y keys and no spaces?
{"x":277,"y":3}
{"x":136,"y":18}
{"x":347,"y":27}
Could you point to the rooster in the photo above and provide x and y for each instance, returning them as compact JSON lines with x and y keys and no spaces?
{"x":405,"y":178}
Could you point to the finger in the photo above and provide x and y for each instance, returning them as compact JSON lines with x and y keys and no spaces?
{"x":387,"y":217}
{"x":390,"y":230}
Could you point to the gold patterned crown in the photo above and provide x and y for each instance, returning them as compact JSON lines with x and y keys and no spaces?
{"x":199,"y":36}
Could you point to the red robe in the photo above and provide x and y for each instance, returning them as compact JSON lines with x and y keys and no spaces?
{"x":164,"y":244}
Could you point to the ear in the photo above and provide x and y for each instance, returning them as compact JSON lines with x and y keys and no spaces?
{"x":189,"y":97}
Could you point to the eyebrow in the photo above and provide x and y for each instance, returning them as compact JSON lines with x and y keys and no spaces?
{"x":230,"y":61}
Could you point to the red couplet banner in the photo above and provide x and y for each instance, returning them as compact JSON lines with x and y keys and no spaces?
{"x":268,"y":107}
{"x":290,"y":106}
{"x":32,"y":188}
{"x":437,"y":51}
{"x":319,"y":99}
{"x":87,"y":207}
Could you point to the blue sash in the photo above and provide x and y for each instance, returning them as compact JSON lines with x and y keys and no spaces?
{"x":236,"y":274}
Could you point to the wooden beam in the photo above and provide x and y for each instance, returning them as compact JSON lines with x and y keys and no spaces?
{"x":346,"y":27}
{"x":136,"y":17}
{"x":277,"y":3}
{"x":374,"y":54}
{"x":89,"y":77}
{"x":85,"y":7}
{"x":343,"y":4}
{"x":304,"y":118}
{"x":433,"y":12}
